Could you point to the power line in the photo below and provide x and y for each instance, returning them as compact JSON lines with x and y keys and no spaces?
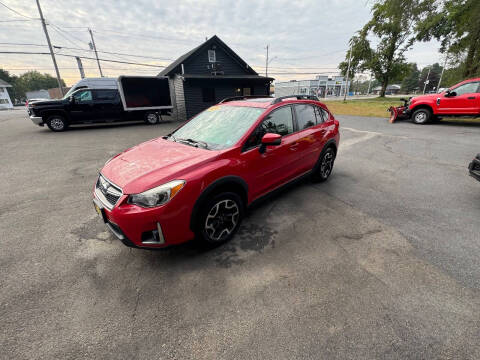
{"x":5,"y":21}
{"x":18,"y":13}
{"x":82,"y":57}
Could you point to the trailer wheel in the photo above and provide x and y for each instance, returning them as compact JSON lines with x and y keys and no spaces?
{"x":151,"y":118}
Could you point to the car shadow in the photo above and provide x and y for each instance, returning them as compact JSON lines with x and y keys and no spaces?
{"x":251,"y":236}
{"x":465,"y":123}
{"x":106,"y":126}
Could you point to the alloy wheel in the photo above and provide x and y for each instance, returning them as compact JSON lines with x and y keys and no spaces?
{"x":57,"y":124}
{"x":327,"y":164}
{"x":222,"y":219}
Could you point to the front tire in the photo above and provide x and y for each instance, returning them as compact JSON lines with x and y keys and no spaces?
{"x":151,"y":118}
{"x":57,"y":123}
{"x":421,"y":116}
{"x":325,"y":165}
{"x":220,"y":219}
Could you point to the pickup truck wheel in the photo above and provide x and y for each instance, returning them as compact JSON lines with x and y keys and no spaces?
{"x":421,"y":116}
{"x":57,"y":123}
{"x":219,"y":219}
{"x":151,"y":118}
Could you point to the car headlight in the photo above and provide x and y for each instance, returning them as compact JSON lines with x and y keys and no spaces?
{"x":157,"y":196}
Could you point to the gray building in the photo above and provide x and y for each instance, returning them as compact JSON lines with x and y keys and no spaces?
{"x":207,"y":74}
{"x":321,"y":86}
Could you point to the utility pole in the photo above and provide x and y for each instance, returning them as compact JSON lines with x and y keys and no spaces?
{"x":60,"y":87}
{"x":443,"y":69}
{"x":266,"y":63}
{"x":80,"y":67}
{"x":426,"y":80}
{"x":95,"y":49}
{"x":348,"y":73}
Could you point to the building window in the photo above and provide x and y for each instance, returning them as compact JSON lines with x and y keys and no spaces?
{"x":211,"y":56}
{"x":208,"y":94}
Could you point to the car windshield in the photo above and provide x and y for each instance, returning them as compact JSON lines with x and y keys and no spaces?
{"x":219,"y":127}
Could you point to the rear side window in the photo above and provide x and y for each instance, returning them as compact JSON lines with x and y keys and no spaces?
{"x":321,"y":114}
{"x":105,"y":95}
{"x":305,"y":116}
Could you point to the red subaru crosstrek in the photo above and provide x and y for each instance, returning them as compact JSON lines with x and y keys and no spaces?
{"x":198,"y":180}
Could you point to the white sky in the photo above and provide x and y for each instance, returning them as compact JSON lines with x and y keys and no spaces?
{"x":309,"y":36}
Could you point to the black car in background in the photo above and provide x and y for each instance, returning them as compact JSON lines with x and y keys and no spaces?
{"x":85,"y":106}
{"x":474,"y":167}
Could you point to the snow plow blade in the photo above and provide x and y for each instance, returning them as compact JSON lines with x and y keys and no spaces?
{"x":399,"y":112}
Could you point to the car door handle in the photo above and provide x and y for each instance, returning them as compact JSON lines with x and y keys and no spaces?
{"x":471,"y":98}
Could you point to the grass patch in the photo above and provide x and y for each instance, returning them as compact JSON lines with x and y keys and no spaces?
{"x":376,"y":107}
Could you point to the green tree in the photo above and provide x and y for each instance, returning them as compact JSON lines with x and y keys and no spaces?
{"x":393,"y":26}
{"x":410,"y":81}
{"x":33,"y":80}
{"x":11,"y":79}
{"x":456,"y":24}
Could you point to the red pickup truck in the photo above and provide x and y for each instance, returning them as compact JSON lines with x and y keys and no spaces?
{"x":462,"y":99}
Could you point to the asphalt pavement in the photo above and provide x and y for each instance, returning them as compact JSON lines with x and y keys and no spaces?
{"x":381,"y":261}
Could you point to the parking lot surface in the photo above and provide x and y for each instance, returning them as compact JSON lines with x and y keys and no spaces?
{"x":381,"y":261}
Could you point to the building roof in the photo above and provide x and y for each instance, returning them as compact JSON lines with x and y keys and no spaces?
{"x":4,"y":84}
{"x":172,"y":68}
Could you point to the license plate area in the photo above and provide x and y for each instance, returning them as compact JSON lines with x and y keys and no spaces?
{"x":100,"y":210}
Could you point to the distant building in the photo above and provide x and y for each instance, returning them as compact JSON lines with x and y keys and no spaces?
{"x":390,"y":90}
{"x":5,"y":102}
{"x":54,"y":93}
{"x":37,"y":94}
{"x":207,"y":74}
{"x":321,"y":86}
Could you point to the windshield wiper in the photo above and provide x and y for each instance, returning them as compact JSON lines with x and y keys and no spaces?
{"x":195,"y":142}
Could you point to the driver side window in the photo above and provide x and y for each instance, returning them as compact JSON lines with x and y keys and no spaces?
{"x":279,"y":121}
{"x":83,"y":96}
{"x":468,"y":88}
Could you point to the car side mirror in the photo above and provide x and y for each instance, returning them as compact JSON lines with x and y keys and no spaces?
{"x":71,"y":99}
{"x":270,"y":139}
{"x":450,"y":93}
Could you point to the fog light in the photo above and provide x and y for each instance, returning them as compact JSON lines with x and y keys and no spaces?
{"x":154,"y":237}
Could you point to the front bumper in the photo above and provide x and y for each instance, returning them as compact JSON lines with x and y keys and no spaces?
{"x":37,"y":120}
{"x":474,"y":168}
{"x":148,"y":228}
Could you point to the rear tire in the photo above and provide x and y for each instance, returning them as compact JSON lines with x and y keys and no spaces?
{"x":151,"y":118}
{"x":219,"y":219}
{"x":324,"y":167}
{"x":422,"y":116}
{"x":57,"y":123}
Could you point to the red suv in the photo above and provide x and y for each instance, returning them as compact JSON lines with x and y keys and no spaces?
{"x":199,"y":179}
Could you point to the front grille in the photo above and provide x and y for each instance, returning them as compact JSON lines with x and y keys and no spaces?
{"x":107,"y":192}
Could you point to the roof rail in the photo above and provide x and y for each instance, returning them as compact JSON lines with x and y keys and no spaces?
{"x":298,"y":97}
{"x":243,"y":97}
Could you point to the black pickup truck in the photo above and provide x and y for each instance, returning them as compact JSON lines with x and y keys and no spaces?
{"x":137,"y":98}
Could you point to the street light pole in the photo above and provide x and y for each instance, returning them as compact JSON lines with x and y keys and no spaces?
{"x":266,"y":63}
{"x":426,"y":80}
{"x":443,"y":69}
{"x":59,"y":81}
{"x":95,"y":49}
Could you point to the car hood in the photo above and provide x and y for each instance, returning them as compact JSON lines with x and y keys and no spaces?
{"x":46,"y":102}
{"x":425,"y":97}
{"x":153,"y":163}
